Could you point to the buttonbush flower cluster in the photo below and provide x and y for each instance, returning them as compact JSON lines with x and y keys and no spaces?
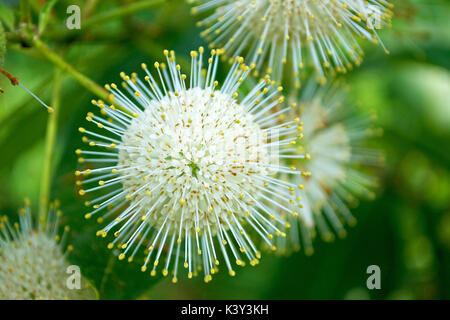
{"x":335,"y":138}
{"x":186,"y":166}
{"x":190,"y":171}
{"x":297,"y":33}
{"x":33,"y":259}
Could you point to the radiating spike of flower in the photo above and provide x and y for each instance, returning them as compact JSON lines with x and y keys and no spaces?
{"x":337,"y":166}
{"x":270,"y":33}
{"x":187,"y":164}
{"x":15,"y":82}
{"x":33,"y":259}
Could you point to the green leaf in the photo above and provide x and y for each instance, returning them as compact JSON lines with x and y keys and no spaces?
{"x":44,"y":15}
{"x":2,"y":44}
{"x":7,"y":16}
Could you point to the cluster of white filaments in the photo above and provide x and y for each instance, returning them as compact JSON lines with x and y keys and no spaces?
{"x":33,"y":260}
{"x":187,"y":170}
{"x":334,"y":138}
{"x":319,"y":32}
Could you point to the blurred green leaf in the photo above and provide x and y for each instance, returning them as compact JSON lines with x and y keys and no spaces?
{"x":7,"y":16}
{"x":2,"y":44}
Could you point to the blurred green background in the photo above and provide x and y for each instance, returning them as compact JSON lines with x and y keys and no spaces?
{"x":405,"y":230}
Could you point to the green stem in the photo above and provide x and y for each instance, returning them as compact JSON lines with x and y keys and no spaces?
{"x":106,"y":273}
{"x":63,"y":65}
{"x":121,"y":11}
{"x":25,"y":16}
{"x":52,"y":125}
{"x":89,"y":8}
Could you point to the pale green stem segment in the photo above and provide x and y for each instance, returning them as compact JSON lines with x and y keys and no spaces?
{"x":107,"y":272}
{"x":63,"y":65}
{"x":121,"y":11}
{"x":89,"y":7}
{"x":77,"y":75}
{"x":52,"y":126}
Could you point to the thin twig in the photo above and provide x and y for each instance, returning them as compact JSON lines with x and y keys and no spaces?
{"x":107,"y":272}
{"x":81,"y":78}
{"x":52,"y":126}
{"x":77,"y":75}
{"x":14,"y":80}
{"x":128,"y":9}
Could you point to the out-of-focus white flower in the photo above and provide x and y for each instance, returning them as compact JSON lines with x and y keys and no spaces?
{"x":187,"y":167}
{"x":272,"y":33}
{"x":335,"y":166}
{"x":33,"y":262}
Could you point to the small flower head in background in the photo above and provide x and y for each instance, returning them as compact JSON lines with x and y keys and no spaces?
{"x":336,"y":163}
{"x":33,"y":262}
{"x":186,"y":168}
{"x":271,"y":33}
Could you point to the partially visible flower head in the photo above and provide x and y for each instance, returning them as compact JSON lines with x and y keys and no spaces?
{"x":271,"y":33}
{"x":33,"y":260}
{"x":187,"y":166}
{"x":335,"y":167}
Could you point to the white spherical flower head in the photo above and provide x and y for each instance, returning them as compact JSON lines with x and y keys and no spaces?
{"x":194,"y":158}
{"x":336,"y":162}
{"x":195,"y":164}
{"x":33,"y":263}
{"x":272,"y":32}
